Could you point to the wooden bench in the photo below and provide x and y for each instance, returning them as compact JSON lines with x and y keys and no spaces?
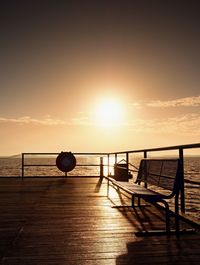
{"x":164,"y":174}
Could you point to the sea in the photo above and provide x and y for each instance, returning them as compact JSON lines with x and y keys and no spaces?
{"x":89,"y":166}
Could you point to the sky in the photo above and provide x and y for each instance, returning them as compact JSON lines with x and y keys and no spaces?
{"x":98,"y":76}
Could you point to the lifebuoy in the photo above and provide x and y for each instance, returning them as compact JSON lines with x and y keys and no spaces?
{"x":66,"y":161}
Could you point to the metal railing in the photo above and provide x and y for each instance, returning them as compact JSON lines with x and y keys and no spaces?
{"x":107,"y":167}
{"x":180,"y":154}
{"x":42,"y":155}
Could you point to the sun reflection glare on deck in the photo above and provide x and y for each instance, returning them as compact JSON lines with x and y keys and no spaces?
{"x":109,"y":168}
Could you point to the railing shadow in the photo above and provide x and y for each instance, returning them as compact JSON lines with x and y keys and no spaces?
{"x":98,"y":185}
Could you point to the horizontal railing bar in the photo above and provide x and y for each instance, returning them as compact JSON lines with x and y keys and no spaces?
{"x":39,"y":165}
{"x":40,"y":153}
{"x":59,"y":153}
{"x":176,"y":147}
{"x":43,"y":165}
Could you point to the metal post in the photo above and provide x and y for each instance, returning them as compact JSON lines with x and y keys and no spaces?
{"x":101,"y":167}
{"x":22,"y":165}
{"x":115,"y":158}
{"x":182,"y":180}
{"x":108,"y":164}
{"x":127,"y":161}
{"x":145,"y":156}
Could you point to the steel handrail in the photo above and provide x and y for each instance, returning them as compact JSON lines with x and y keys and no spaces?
{"x":167,"y":148}
{"x":179,"y":148}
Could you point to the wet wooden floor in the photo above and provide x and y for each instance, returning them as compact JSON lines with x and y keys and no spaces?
{"x":70,"y":221}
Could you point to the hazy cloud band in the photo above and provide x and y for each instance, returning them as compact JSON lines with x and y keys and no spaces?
{"x":183,"y":102}
{"x":187,"y":124}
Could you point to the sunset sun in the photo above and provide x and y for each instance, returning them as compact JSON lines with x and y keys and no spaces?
{"x":109,"y":113}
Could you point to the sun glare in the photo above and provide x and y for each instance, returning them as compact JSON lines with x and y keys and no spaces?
{"x":109,"y":113}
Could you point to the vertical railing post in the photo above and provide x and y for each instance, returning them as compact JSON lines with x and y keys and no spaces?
{"x":181,"y":157}
{"x":145,"y":156}
{"x":22,"y":165}
{"x":115,"y":165}
{"x":127,"y":161}
{"x":101,"y":167}
{"x":115,"y":158}
{"x":108,"y":164}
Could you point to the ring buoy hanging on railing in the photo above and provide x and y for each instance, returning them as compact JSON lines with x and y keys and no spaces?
{"x":66,"y":161}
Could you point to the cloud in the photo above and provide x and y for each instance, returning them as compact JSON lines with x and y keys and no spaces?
{"x":80,"y":121}
{"x":29,"y":120}
{"x":182,"y":102}
{"x":134,"y":105}
{"x":48,"y":121}
{"x":188,"y":124}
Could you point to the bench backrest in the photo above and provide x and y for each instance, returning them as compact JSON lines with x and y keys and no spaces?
{"x":164,"y":173}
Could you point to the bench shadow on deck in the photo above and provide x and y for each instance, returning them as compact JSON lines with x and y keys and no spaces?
{"x":71,"y":221}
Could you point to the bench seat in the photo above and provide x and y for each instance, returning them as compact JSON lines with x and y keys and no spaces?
{"x":164,"y":174}
{"x":136,"y":189}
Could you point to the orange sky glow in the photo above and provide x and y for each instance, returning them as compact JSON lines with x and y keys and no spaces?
{"x":98,"y":76}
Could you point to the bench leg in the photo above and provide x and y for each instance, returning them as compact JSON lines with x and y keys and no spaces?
{"x":167,"y":220}
{"x":167,"y":216}
{"x":177,"y":216}
{"x":139,"y":202}
{"x":167,"y":223}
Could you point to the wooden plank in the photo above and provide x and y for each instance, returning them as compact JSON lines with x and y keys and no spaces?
{"x":64,"y":221}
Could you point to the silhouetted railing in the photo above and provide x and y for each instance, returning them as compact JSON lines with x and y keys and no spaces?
{"x":106,"y":162}
{"x":33,"y":156}
{"x":180,"y":154}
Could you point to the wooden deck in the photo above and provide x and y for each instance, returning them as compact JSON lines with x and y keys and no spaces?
{"x":70,"y":221}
